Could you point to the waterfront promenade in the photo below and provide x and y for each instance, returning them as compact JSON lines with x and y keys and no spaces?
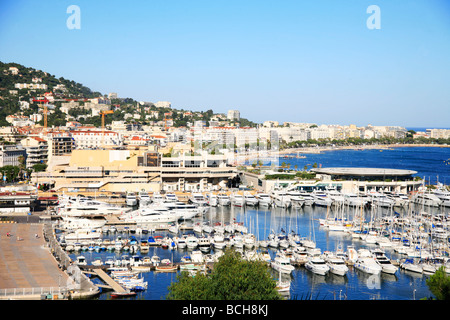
{"x":25,"y":260}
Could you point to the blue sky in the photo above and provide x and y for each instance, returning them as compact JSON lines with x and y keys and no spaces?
{"x":302,"y":61}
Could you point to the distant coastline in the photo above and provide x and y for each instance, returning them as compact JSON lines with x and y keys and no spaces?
{"x":308,"y":150}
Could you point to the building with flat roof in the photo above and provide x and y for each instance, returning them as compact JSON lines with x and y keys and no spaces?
{"x":137,"y":169}
{"x":370,"y":179}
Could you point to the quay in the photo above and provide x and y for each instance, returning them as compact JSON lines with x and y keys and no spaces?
{"x":34,"y":267}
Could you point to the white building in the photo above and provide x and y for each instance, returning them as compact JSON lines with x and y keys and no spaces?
{"x":9,"y":155}
{"x":233,"y":115}
{"x":163,"y":104}
{"x":86,"y":139}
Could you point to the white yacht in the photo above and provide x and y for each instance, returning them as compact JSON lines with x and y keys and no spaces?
{"x":427,"y":199}
{"x":198,"y":199}
{"x":381,"y":200}
{"x":321,"y":198}
{"x":85,"y":222}
{"x":237,"y":200}
{"x":367,"y":265}
{"x":282,"y":265}
{"x":400,"y":199}
{"x":204,"y":244}
{"x":281,"y":199}
{"x":307,"y":197}
{"x":354,"y":200}
{"x":219,"y":241}
{"x":264,"y":199}
{"x":212,"y":199}
{"x":442,"y":193}
{"x":81,"y":206}
{"x":131,"y":199}
{"x":384,"y":262}
{"x":411,"y":265}
{"x":250,"y":200}
{"x":186,"y":211}
{"x":157,"y":198}
{"x":150,"y":215}
{"x":297,"y":200}
{"x":144,"y":198}
{"x":335,"y":196}
{"x":336,"y":264}
{"x":317,"y":265}
{"x":191,"y":242}
{"x":83,"y":234}
{"x":171,"y":197}
{"x":81,"y":261}
{"x":223,"y":199}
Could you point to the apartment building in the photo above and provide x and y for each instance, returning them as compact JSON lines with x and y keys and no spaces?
{"x":36,"y":149}
{"x":10,"y":154}
{"x":92,"y":139}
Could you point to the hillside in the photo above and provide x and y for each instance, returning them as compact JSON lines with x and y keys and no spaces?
{"x":34,"y":83}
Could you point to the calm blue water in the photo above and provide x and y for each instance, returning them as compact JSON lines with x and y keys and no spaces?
{"x":429,"y":162}
{"x":354,"y":286}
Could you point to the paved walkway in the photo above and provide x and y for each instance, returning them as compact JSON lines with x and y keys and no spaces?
{"x":27,"y":263}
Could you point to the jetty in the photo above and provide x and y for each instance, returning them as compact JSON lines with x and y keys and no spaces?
{"x":110,"y":283}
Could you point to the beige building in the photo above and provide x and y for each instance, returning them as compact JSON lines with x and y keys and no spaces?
{"x":135,"y":170}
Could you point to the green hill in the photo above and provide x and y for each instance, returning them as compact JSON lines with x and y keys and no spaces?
{"x":62,"y":89}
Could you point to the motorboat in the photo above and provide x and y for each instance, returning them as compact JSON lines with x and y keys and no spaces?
{"x":191,"y":242}
{"x":263,"y":199}
{"x":150,"y":215}
{"x":354,"y":200}
{"x":381,"y":200}
{"x":83,"y":222}
{"x":400,"y":199}
{"x":336,"y":264}
{"x":317,"y":265}
{"x":186,"y":211}
{"x":427,"y":199}
{"x":157,"y":198}
{"x":204,"y":244}
{"x":249,"y":241}
{"x":250,"y":199}
{"x":171,"y":197}
{"x":411,"y":265}
{"x":335,"y":196}
{"x":307,"y":243}
{"x":223,"y":199}
{"x":321,"y":199}
{"x":81,"y":261}
{"x":384,"y":262}
{"x":442,"y":193}
{"x":367,"y":265}
{"x":144,"y":198}
{"x":198,"y":199}
{"x":281,"y":199}
{"x":131,"y":199}
{"x":237,"y":200}
{"x":282,"y":264}
{"x":308,"y":199}
{"x":83,"y":234}
{"x":181,"y":242}
{"x":219,"y":241}
{"x":212,"y":199}
{"x":82,"y":206}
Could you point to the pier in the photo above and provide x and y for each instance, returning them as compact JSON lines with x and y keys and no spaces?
{"x":33,"y":266}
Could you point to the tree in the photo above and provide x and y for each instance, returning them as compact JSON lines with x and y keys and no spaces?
{"x":232,"y":278}
{"x":439,"y":284}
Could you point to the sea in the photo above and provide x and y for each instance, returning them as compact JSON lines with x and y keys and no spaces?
{"x":429,"y":162}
